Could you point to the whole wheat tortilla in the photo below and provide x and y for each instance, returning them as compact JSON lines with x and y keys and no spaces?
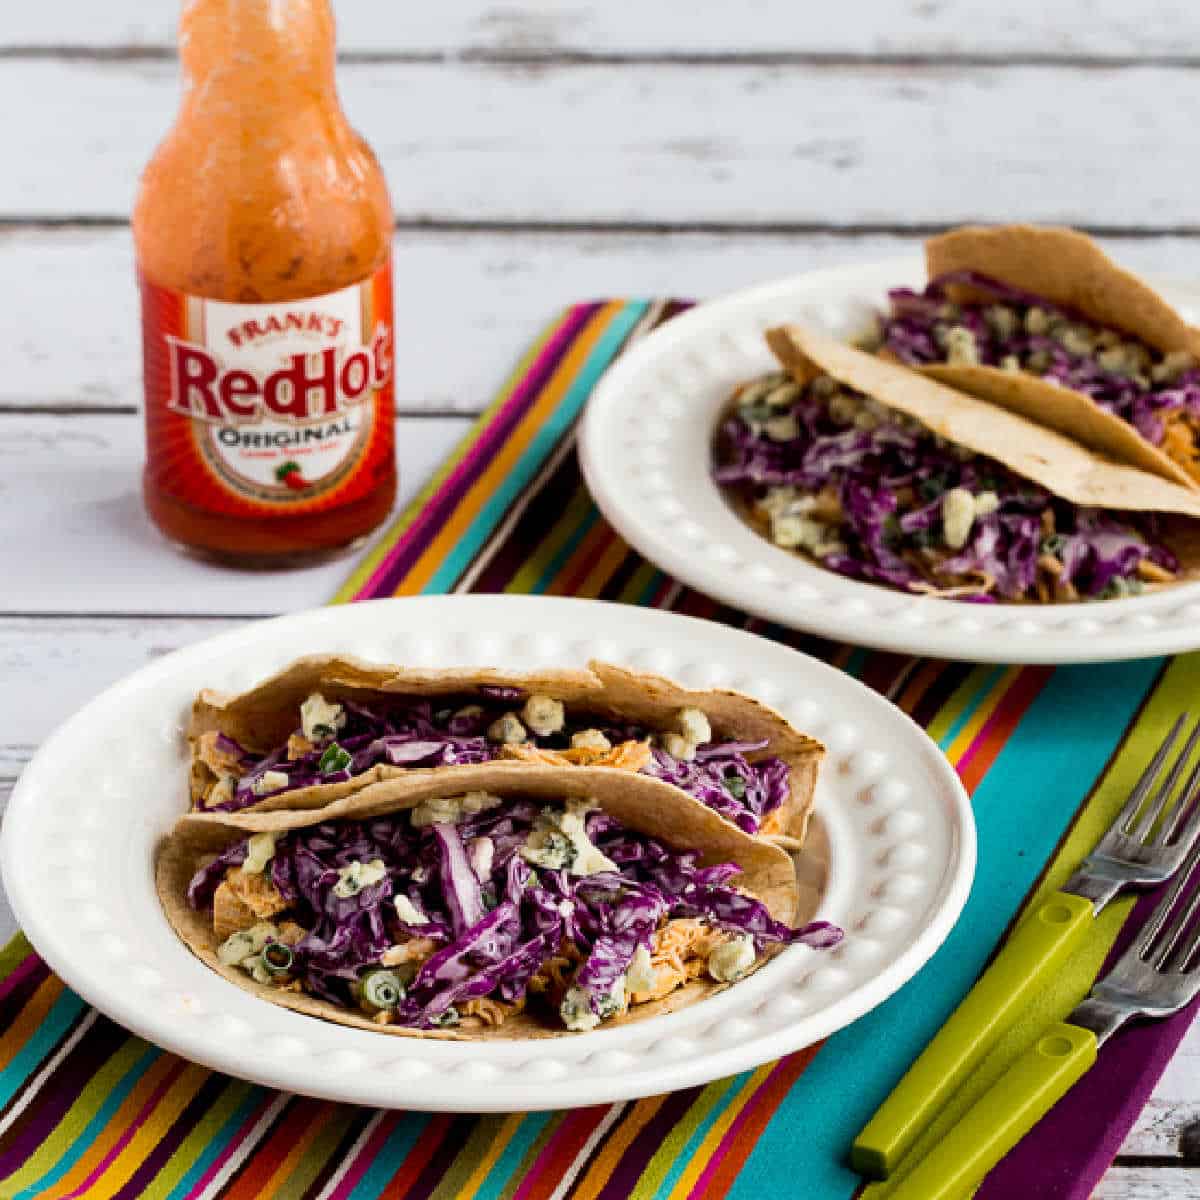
{"x":1068,"y":269}
{"x":637,"y":801}
{"x":263,"y":717}
{"x":1057,"y":463}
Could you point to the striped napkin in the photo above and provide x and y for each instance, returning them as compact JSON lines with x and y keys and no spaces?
{"x":86,"y":1110}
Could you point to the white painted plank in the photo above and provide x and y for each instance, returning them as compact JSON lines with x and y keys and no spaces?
{"x":680,"y":143}
{"x":76,"y":538}
{"x":58,"y":665}
{"x":1152,"y":27}
{"x":1149,"y":1183}
{"x":468,"y":304}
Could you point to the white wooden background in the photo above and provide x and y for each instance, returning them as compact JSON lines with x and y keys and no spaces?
{"x":539,"y":153}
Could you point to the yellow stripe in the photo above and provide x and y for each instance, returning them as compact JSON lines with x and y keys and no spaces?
{"x":949,"y":713}
{"x":499,"y":1144}
{"x":639,"y":581}
{"x":207,"y":1128}
{"x":29,"y":1018}
{"x":370,"y":564}
{"x":598,"y":1174}
{"x":610,"y":560}
{"x":980,"y":717}
{"x":157,"y":1125}
{"x":704,"y":1153}
{"x":488,"y":482}
{"x":531,"y":572}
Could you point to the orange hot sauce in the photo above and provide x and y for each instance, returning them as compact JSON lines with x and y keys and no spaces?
{"x":263,"y":236}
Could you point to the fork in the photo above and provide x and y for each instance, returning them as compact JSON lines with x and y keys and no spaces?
{"x":1144,"y":846}
{"x":1156,"y":976}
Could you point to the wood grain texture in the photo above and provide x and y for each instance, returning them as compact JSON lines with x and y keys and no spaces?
{"x":1149,"y":1183}
{"x":676,"y":144}
{"x":709,"y":27}
{"x":73,"y":484}
{"x":487,"y":292}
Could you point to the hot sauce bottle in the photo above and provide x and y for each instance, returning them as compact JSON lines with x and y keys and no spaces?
{"x":263,"y":236}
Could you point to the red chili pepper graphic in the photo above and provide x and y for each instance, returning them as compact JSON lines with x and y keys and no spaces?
{"x":291,"y":474}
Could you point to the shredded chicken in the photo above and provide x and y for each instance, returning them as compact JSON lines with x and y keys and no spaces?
{"x":219,"y":762}
{"x":411,"y":953}
{"x":958,"y":589}
{"x":772,"y":822}
{"x":489,"y":1011}
{"x":298,"y":746}
{"x":1179,"y":440}
{"x":256,"y":892}
{"x":627,"y":756}
{"x":1153,"y":573}
{"x":553,"y":977}
{"x":242,"y":900}
{"x":679,"y":953}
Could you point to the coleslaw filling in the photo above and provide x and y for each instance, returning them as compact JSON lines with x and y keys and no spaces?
{"x":1157,"y":393}
{"x":335,"y":742}
{"x":392,"y":916}
{"x":871,"y":494}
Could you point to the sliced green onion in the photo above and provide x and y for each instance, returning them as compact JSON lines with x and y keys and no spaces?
{"x":735,"y":785}
{"x":379,"y":990}
{"x":444,"y":1020}
{"x":334,"y":759}
{"x":277,"y":958}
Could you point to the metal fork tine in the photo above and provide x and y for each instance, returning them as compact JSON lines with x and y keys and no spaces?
{"x":1179,"y":942}
{"x":1183,"y":825}
{"x":1163,"y":798}
{"x":1148,"y":776}
{"x":1162,"y":911}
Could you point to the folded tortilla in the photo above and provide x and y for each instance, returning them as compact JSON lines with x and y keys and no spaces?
{"x":1070,"y":270}
{"x":1058,"y":463}
{"x":639,"y":802}
{"x":263,"y":717}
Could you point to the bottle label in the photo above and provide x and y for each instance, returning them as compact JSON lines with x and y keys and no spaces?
{"x":255,"y":409}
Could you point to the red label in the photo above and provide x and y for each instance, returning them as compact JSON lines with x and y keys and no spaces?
{"x":256,"y":409}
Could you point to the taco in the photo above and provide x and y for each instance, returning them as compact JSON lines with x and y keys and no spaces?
{"x":1043,"y":322}
{"x":327,"y":727}
{"x":882,"y":475}
{"x":483,"y":902}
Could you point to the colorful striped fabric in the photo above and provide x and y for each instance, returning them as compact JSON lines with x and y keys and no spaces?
{"x":88,"y":1111}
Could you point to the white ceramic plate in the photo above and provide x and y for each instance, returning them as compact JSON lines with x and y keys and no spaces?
{"x":645,"y":450}
{"x":84,"y":819}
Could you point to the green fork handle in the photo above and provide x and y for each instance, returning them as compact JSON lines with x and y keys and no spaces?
{"x":1036,"y":950}
{"x":1001,"y":1116}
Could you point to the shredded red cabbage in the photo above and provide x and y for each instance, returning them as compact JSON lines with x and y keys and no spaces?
{"x":491,"y":936}
{"x":409,"y":732}
{"x":868,"y":489}
{"x":1138,"y":383}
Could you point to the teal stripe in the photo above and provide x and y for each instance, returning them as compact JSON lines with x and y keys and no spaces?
{"x":216,"y":1147}
{"x":62,"y":1015}
{"x":1022,"y":809}
{"x":391,"y":1155}
{"x":511,"y":1157}
{"x":544,"y":442}
{"x":684,"y":1158}
{"x":569,"y":547}
{"x":856,"y":664}
{"x":104,"y":1114}
{"x":977,"y":697}
{"x":657,"y":579}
